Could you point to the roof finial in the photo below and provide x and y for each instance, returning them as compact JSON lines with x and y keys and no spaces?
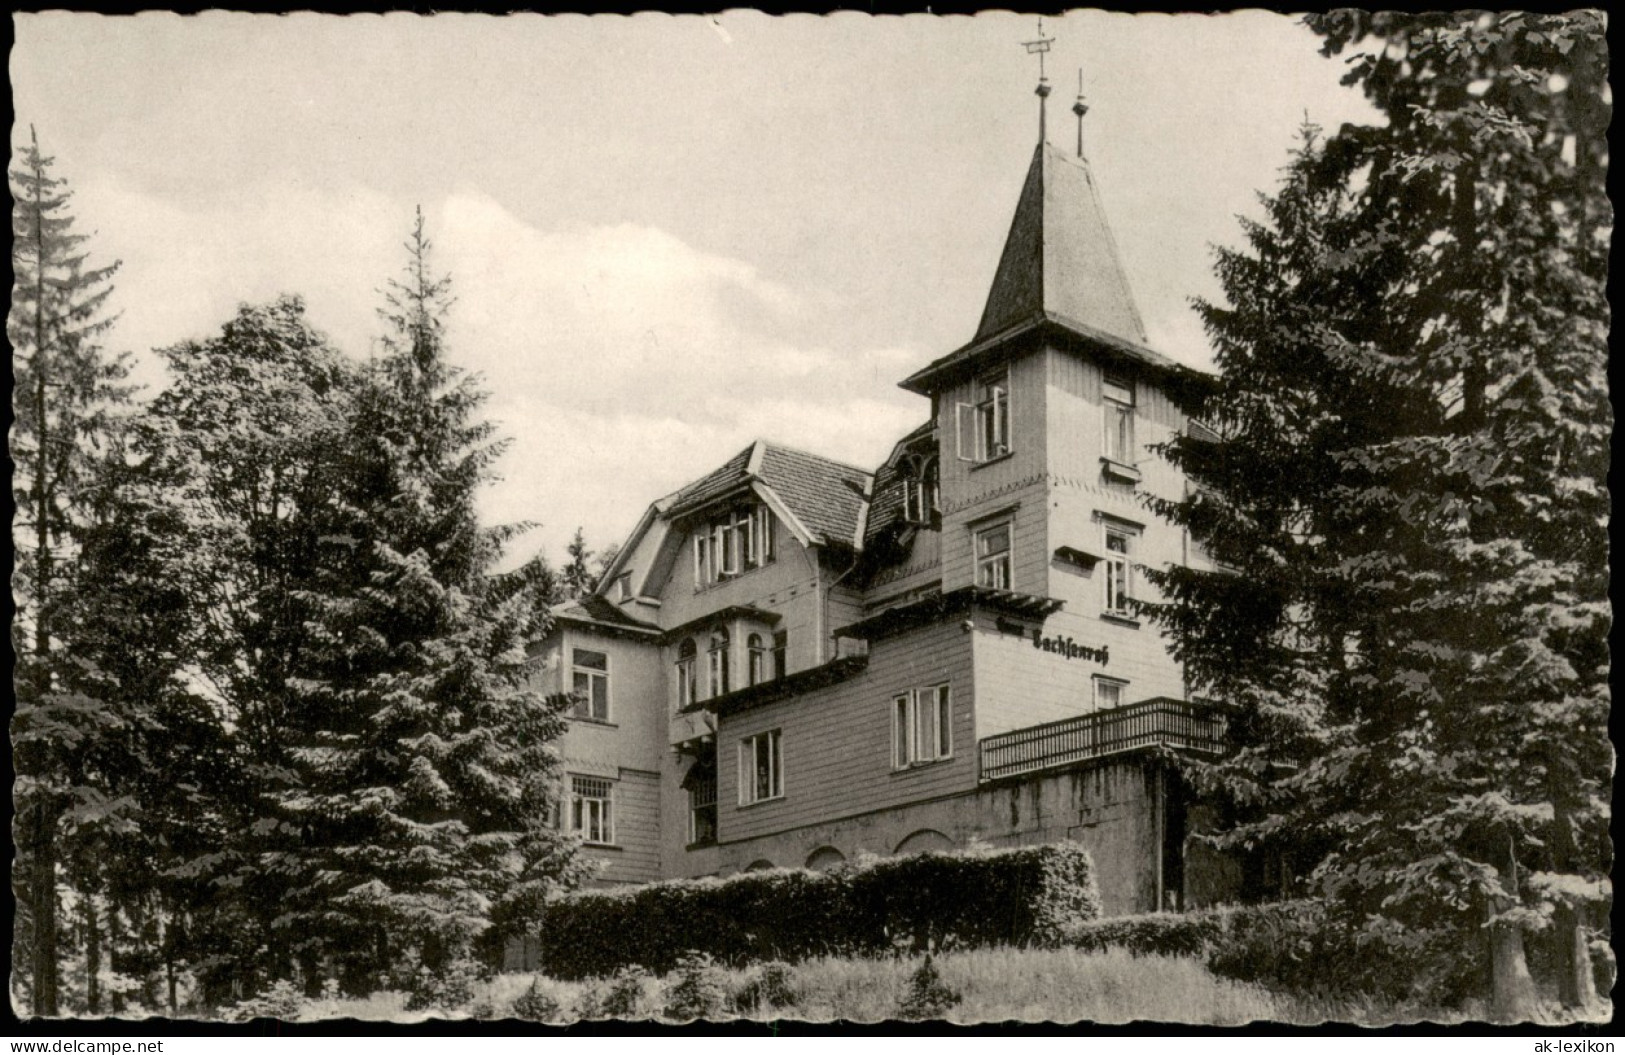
{"x":1080,"y":108}
{"x":1039,"y":47}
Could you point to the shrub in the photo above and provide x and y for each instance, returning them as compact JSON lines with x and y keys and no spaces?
{"x":446,"y":989}
{"x":699,"y":992}
{"x":625,"y":997}
{"x":536,"y":1004}
{"x":769,"y":990}
{"x":1035,"y":895}
{"x":1155,"y":934}
{"x":928,"y":997}
{"x":281,"y":1000}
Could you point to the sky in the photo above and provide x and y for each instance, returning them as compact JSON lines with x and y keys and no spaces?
{"x":668,"y":235}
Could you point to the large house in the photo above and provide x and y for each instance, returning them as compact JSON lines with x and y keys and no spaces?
{"x":794,"y":661}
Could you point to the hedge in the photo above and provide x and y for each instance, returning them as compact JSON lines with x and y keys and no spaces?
{"x":1034,"y":895}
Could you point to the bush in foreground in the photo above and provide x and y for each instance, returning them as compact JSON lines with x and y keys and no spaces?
{"x":1027,"y":896}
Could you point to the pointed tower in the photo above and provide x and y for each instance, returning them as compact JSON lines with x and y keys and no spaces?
{"x":1060,"y":261}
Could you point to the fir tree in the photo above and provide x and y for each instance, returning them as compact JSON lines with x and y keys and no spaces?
{"x":66,"y":399}
{"x":1407,"y":499}
{"x":230,"y":499}
{"x":426,"y":776}
{"x":578,"y":576}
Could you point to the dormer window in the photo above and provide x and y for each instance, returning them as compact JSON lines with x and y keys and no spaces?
{"x":920,"y":490}
{"x":983,"y":427}
{"x":733,"y":543}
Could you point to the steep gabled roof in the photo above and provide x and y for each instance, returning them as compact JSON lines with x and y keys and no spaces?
{"x":825,"y":497}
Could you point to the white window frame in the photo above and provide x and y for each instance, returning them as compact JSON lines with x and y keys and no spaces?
{"x":702,"y":557}
{"x":1117,"y":568}
{"x":985,"y":561}
{"x":592,"y":674}
{"x":755,"y":659}
{"x":702,"y":796}
{"x":922,"y":727}
{"x":1117,"y":419}
{"x":1101,"y":691}
{"x":719,"y":676}
{"x":592,"y":814}
{"x":982,"y":428}
{"x":749,"y":747}
{"x":688,"y":681}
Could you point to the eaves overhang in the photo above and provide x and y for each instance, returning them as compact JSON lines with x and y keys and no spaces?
{"x":752,"y":696}
{"x":965,"y":361}
{"x":722,"y":615}
{"x":934,"y":609}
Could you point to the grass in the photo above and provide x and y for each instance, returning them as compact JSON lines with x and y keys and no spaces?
{"x":1031,"y":985}
{"x":1109,"y":986}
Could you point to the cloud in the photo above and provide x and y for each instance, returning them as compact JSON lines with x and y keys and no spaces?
{"x":621,"y":361}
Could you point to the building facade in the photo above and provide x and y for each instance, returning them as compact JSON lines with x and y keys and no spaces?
{"x":794,"y":662}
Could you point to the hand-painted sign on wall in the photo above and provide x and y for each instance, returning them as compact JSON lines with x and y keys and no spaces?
{"x":1069,"y":648}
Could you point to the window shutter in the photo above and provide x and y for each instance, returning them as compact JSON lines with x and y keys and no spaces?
{"x":965,"y":428}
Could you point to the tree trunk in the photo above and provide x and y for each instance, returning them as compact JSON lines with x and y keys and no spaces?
{"x":93,"y":957}
{"x":1576,"y":987}
{"x":1513,"y":990}
{"x":43,"y":897}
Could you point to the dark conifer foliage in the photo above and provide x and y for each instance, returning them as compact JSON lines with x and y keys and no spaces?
{"x":1407,"y":497}
{"x":425,"y":777}
{"x":68,"y":395}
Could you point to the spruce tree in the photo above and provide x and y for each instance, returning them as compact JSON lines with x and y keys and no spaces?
{"x":1407,"y":500}
{"x":67,"y":396}
{"x":426,"y":773}
{"x":228,"y":501}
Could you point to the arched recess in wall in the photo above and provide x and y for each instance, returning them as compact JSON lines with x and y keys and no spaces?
{"x":922,"y":840}
{"x":759,"y":864}
{"x":824,"y":858}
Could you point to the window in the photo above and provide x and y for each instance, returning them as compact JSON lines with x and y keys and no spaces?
{"x":1119,"y":571}
{"x":757,"y":666}
{"x":761,"y":772}
{"x":702,"y":810}
{"x":733,"y":543}
{"x":591,"y":813}
{"x":688,"y":686}
{"x":719,"y":661}
{"x":623,"y":586}
{"x":922,"y":727}
{"x":984,"y":427}
{"x":920,"y":490}
{"x":781,"y":650}
{"x":1119,"y":416}
{"x":993,"y":556}
{"x":1108,"y":693}
{"x":589,"y":682}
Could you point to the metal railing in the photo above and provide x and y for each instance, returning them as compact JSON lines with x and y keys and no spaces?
{"x":1150,"y":723}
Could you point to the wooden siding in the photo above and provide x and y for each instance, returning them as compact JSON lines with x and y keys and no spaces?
{"x":836,"y":742}
{"x":635,"y":735}
{"x":635,"y":857}
{"x":971,"y":492}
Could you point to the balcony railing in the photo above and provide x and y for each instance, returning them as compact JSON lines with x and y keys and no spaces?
{"x":1159,"y":722}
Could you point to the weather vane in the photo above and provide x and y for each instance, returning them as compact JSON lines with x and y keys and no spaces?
{"x":1039,"y":47}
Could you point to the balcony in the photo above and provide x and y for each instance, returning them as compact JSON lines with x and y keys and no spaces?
{"x":1158,"y":722}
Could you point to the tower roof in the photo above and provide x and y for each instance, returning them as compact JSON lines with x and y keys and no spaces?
{"x":1060,"y":257}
